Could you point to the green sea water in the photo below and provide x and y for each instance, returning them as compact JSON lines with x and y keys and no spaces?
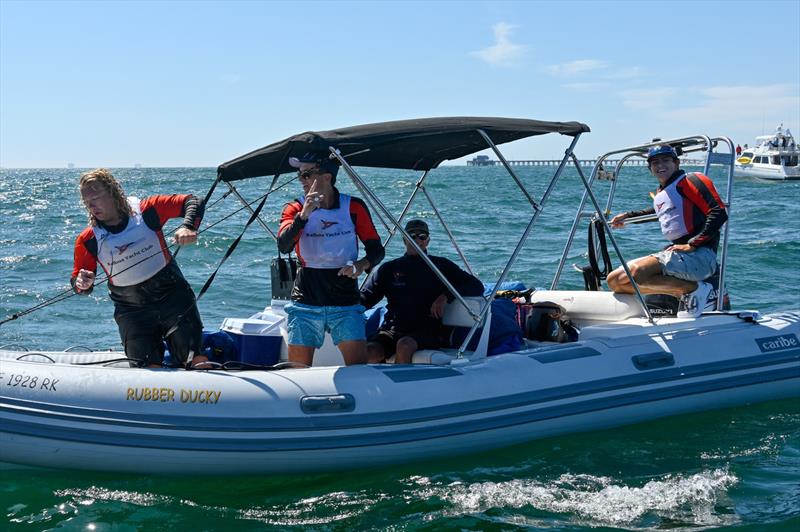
{"x":736,"y":468}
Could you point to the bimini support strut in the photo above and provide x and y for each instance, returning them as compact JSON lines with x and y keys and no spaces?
{"x":244,"y":202}
{"x":537,"y":209}
{"x":374,"y":200}
{"x":610,"y":235}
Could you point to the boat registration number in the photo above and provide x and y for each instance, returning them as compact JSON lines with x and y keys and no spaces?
{"x":23,"y":380}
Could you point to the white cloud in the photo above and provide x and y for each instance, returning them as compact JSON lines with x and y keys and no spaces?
{"x":573,"y":68}
{"x":595,"y":74}
{"x":740,"y":104}
{"x":503,"y":52}
{"x":731,"y":106}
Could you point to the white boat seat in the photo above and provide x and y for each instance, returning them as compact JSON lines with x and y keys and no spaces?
{"x":596,"y":306}
{"x":455,"y":315}
{"x":438,"y":357}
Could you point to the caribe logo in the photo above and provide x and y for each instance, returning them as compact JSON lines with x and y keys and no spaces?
{"x":777,"y":343}
{"x":326,"y":225}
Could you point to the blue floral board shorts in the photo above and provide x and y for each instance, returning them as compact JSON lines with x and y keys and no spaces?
{"x":697,"y":265}
{"x":308,"y":324}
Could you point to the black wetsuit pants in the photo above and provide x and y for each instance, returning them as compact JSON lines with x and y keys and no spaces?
{"x":161,"y":308}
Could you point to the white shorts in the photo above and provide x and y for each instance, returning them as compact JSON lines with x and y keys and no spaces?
{"x":696,"y":265}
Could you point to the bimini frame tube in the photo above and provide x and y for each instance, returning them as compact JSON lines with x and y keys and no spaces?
{"x":244,"y":202}
{"x":374,"y":200}
{"x":602,"y":218}
{"x":726,"y":159}
{"x":419,"y":186}
{"x":508,"y":168}
{"x":381,"y":208}
{"x":573,"y":230}
{"x":537,"y":210}
{"x":450,"y":234}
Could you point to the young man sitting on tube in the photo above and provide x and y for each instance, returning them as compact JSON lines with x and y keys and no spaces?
{"x":691,"y":214}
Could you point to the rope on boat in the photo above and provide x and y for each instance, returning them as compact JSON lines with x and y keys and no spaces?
{"x":33,"y":353}
{"x":235,"y":365}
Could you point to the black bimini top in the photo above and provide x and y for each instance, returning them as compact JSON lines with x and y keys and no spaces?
{"x":419,"y":144}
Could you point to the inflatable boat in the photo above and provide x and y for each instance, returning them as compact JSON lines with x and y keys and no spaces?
{"x":626,"y":359}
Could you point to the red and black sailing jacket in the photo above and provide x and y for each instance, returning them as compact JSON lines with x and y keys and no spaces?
{"x":324,"y":243}
{"x":135,"y":250}
{"x":689,"y":209}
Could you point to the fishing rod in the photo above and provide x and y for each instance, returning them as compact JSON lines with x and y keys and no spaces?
{"x":68,"y":293}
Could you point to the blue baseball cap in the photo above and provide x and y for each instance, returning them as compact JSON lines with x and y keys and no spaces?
{"x":323,"y":161}
{"x":661,"y":149}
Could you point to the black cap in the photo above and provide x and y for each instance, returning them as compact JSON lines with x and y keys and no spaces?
{"x":323,"y":161}
{"x":417,"y":225}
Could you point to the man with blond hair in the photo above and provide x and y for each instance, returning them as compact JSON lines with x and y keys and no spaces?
{"x":152,"y":300}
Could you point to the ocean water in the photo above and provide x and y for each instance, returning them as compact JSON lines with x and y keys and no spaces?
{"x":736,"y":468}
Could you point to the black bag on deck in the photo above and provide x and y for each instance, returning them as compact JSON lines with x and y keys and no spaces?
{"x":545,"y":323}
{"x":283,"y":272}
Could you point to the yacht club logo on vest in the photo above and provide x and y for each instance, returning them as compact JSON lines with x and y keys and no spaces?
{"x":124,"y":247}
{"x":777,"y":343}
{"x":326,"y":224}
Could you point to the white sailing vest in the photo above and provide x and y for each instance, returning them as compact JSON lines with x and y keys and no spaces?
{"x":669,"y":205}
{"x":133,"y":255}
{"x":329,"y":237}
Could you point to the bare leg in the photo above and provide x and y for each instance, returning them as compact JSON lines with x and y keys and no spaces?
{"x":647,"y":273}
{"x":302,"y":354}
{"x":375,"y":353}
{"x":353,"y":351}
{"x":199,"y":361}
{"x":406,"y":347}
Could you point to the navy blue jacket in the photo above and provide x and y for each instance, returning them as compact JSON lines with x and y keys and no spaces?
{"x":411,"y":287}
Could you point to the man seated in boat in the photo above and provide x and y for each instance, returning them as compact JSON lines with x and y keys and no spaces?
{"x":324,"y":227}
{"x":691,"y":214}
{"x":415,"y":299}
{"x":152,"y":300}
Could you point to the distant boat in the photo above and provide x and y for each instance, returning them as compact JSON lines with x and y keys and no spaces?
{"x":775,"y":157}
{"x":481,"y":160}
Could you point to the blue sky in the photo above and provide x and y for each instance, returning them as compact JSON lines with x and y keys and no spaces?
{"x":199,"y":83}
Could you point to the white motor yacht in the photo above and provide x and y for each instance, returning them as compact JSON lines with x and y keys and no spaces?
{"x":775,"y":157}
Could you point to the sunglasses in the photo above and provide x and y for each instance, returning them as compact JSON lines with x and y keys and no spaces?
{"x":419,"y":236}
{"x":309,"y":173}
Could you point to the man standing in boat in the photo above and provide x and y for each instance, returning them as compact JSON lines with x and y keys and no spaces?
{"x":152,"y":300}
{"x":691,"y":214}
{"x":415,"y":299}
{"x":324,"y":227}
